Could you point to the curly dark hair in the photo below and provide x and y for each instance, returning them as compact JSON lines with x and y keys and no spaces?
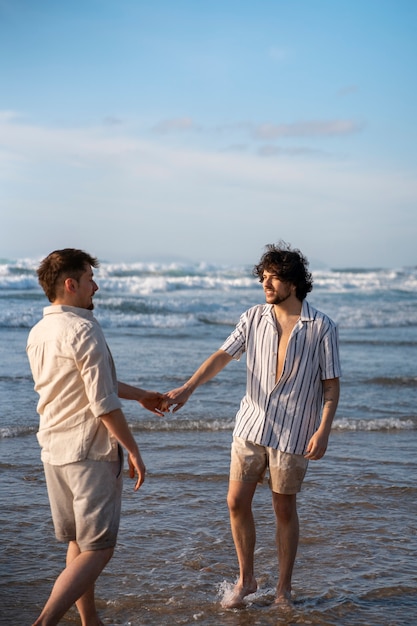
{"x":62,"y":264}
{"x":290,"y":265}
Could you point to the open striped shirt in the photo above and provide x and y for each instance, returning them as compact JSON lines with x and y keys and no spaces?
{"x":283,"y":414}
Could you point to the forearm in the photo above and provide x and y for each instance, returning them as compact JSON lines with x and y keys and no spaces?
{"x":331,"y":393}
{"x":116,"y":424}
{"x":151,"y":400}
{"x":208,"y":370}
{"x":128,"y":392}
{"x":317,"y":445}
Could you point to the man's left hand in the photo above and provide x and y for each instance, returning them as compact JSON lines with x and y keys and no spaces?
{"x":317,"y":447}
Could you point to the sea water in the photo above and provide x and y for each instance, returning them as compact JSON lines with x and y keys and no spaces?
{"x":175,"y":558}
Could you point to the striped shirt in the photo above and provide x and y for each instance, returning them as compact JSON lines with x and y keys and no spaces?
{"x":283,"y":414}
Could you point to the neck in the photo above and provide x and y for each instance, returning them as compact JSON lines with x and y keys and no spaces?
{"x":289,"y":308}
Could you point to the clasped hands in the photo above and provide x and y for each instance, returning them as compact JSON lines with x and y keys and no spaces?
{"x":161,"y":403}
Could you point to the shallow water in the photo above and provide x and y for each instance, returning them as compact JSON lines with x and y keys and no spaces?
{"x":175,"y":558}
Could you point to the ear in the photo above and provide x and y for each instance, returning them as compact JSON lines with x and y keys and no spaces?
{"x":69,"y":285}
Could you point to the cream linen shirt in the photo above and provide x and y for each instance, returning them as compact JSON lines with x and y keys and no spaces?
{"x":75,"y":378}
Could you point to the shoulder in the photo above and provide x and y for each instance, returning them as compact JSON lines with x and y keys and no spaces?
{"x":65,"y":323}
{"x":258,"y":311}
{"x":321,"y":325}
{"x":309,"y":312}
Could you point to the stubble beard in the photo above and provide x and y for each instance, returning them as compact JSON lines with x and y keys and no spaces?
{"x":278,"y":299}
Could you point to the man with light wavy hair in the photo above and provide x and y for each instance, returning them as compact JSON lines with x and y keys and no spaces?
{"x":82,"y":430}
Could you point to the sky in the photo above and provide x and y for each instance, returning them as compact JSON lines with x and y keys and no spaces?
{"x":202,"y":130}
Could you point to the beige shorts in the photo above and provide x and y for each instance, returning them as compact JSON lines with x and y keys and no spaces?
{"x":85,"y":499}
{"x":250,"y":461}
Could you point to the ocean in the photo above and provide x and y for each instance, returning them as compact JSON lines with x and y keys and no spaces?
{"x":175,"y":559}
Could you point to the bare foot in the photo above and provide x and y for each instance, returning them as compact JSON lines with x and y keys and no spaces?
{"x":234,"y":599}
{"x":283,"y":600}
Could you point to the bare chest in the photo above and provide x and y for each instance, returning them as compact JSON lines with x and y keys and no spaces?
{"x":284,"y":329}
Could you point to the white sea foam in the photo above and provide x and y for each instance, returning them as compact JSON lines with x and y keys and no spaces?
{"x":175,"y":295}
{"x":219,"y":425}
{"x":154,"y":276}
{"x":381,"y":424}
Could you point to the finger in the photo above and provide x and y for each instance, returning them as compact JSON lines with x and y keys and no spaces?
{"x":139,"y":482}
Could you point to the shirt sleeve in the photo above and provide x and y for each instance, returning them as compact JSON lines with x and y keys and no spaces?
{"x":329,"y":354}
{"x":235,"y":344}
{"x":96,"y":367}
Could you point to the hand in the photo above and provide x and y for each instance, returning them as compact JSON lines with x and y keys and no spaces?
{"x":317,"y":446}
{"x":136,"y":465}
{"x":155,"y":402}
{"x":178,"y":397}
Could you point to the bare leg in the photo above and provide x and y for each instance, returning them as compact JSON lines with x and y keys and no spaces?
{"x":86,"y":604}
{"x":75,"y":584}
{"x":285,"y":507}
{"x":239,"y":500}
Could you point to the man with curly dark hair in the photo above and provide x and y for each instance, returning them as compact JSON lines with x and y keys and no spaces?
{"x":285,"y":417}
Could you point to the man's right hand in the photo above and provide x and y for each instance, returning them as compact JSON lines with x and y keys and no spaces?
{"x":155,"y":402}
{"x":136,"y":466}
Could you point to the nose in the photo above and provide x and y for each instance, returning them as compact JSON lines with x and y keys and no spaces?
{"x":95,"y":286}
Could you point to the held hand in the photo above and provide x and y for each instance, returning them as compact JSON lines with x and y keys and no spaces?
{"x":155,"y":402}
{"x":317,"y":447}
{"x":178,"y":397}
{"x":136,"y":465}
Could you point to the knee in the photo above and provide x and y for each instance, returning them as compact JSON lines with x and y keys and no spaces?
{"x":285,"y":509}
{"x":236,"y":505}
{"x":284,"y":516}
{"x":231,"y":503}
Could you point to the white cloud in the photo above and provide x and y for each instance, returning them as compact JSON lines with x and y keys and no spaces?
{"x":266,"y":131}
{"x":140,"y":192}
{"x":312,"y":128}
{"x":179,"y":124}
{"x":270,"y":150}
{"x":100,"y":147}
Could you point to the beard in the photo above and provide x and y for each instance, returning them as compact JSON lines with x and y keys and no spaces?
{"x":278,"y":298}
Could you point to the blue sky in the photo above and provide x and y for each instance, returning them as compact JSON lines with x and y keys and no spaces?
{"x":203,"y":130}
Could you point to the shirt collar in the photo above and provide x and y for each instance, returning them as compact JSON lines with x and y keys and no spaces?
{"x":306,"y":314}
{"x":65,"y":308}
